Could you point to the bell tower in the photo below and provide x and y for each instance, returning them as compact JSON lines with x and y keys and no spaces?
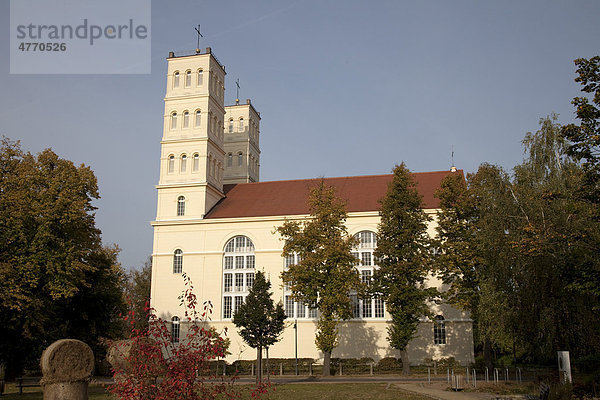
{"x":241,"y":144}
{"x":192,"y":147}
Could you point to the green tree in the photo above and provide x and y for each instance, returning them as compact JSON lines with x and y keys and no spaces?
{"x":325,"y":274}
{"x":56,"y":279}
{"x":403,"y":248}
{"x":260,"y":322}
{"x":138,"y":294}
{"x":585,"y":137}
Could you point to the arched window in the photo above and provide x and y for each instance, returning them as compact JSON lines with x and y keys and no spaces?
{"x":178,"y":261}
{"x":229,"y":160}
{"x":231,"y":125}
{"x":180,"y":206}
{"x":240,"y":159}
{"x":176,"y":79}
{"x":200,"y":77}
{"x":238,"y":273}
{"x":196,"y":164}
{"x":368,"y":307}
{"x":186,"y":119}
{"x":183,"y":163}
{"x":171,"y":165}
{"x":241,"y":127}
{"x":198,"y":118}
{"x":188,"y":78}
{"x":439,"y":330}
{"x":175,"y":329}
{"x":174,"y":120}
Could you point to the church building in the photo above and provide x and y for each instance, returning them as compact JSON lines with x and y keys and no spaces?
{"x":216,"y":222}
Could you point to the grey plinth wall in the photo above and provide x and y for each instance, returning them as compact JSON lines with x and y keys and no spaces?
{"x":67,"y":366}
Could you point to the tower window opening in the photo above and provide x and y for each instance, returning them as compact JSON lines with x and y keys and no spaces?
{"x":171,"y":166}
{"x":231,"y":125}
{"x":180,"y":206}
{"x":229,"y":160}
{"x":183,"y":163}
{"x":200,"y":77}
{"x":174,"y":120}
{"x":176,"y":79}
{"x":196,"y":163}
{"x":188,"y":78}
{"x":198,"y":118}
{"x":186,"y":119}
{"x":240,"y":159}
{"x":241,"y":127}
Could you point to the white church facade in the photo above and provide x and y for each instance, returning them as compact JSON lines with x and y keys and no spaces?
{"x":216,"y":222}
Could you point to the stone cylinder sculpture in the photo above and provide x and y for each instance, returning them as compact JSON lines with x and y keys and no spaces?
{"x":67,"y":366}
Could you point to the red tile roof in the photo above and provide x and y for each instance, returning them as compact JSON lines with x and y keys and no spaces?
{"x":362,"y":193}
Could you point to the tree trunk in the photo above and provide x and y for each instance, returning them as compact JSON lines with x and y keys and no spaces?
{"x":405,"y":362}
{"x":487,"y":354}
{"x":327,"y":363}
{"x":258,"y":364}
{"x":268,"y":370}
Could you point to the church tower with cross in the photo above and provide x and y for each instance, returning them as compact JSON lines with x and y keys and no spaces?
{"x":242,"y":151}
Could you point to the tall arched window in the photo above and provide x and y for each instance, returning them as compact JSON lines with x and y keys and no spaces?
{"x":176,"y":79}
{"x":188,"y":78}
{"x":186,"y":119}
{"x":198,"y":118}
{"x":171,"y":164}
{"x":174,"y":120}
{"x":238,"y":273}
{"x":439,"y":330}
{"x":229,"y":160}
{"x":368,"y":307}
{"x":177,"y":261}
{"x":180,"y":206}
{"x":231,"y":125}
{"x":183,"y":163}
{"x":240,"y":159}
{"x":175,"y":329}
{"x":196,"y":164}
{"x":241,"y":127}
{"x":200,"y":77}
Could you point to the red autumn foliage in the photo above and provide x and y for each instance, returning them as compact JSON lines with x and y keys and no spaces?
{"x":150,"y":365}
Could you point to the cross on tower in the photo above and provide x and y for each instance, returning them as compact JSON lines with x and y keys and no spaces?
{"x":199,"y":36}
{"x":237,"y":91}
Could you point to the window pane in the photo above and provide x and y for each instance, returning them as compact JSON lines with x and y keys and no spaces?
{"x":196,"y":163}
{"x":200,"y":77}
{"x":239,"y":262}
{"x":355,"y":306}
{"x":289,"y":307}
{"x":198,"y":119}
{"x":379,"y":311}
{"x":227,"y":307}
{"x":183,"y":163}
{"x":186,"y":119}
{"x":241,"y":124}
{"x":240,"y":160}
{"x":366,"y":308}
{"x":301,"y":310}
{"x":171,"y":167}
{"x":250,"y":280}
{"x":188,"y":78}
{"x":365,"y":258}
{"x":239,"y":282}
{"x":250,"y":262}
{"x":238,"y":302}
{"x":230,"y":126}
{"x":312,"y":313}
{"x":365,"y":276}
{"x":175,"y":330}
{"x":228,"y":262}
{"x":229,"y":160}
{"x":174,"y":121}
{"x":176,"y":79}
{"x":228,"y":282}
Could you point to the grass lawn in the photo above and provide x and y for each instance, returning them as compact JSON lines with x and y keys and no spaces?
{"x":321,"y":391}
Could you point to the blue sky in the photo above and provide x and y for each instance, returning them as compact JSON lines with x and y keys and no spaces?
{"x":343,"y":87}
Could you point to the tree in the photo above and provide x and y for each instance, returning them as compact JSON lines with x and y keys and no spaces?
{"x":325,"y":274}
{"x":259,"y":320}
{"x":56,"y":279}
{"x":138,"y":293}
{"x":585,"y":138}
{"x":403,"y":248}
